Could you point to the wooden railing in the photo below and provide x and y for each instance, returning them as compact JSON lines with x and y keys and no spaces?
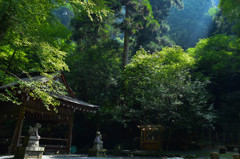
{"x":59,"y":147}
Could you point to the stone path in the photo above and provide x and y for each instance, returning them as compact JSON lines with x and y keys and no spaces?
{"x":81,"y":157}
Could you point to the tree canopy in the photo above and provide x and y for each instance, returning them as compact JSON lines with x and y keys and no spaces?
{"x":160,"y":84}
{"x":217,"y":58}
{"x":231,"y":9}
{"x":33,"y":40}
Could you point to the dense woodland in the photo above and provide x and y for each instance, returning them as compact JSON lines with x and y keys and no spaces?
{"x":173,"y":63}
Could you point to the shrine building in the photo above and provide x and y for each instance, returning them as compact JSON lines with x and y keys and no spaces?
{"x":34,"y":110}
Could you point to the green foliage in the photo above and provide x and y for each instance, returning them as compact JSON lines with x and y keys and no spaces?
{"x":95,"y":72}
{"x":217,"y":55}
{"x":47,"y":91}
{"x":153,"y":35}
{"x":33,"y":40}
{"x":140,"y":13}
{"x":97,"y":8}
{"x":9,"y":96}
{"x":231,"y":9}
{"x":159,"y":90}
{"x":220,"y":24}
{"x":86,"y":31}
{"x":132,"y":17}
{"x":217,"y":58}
{"x":96,"y":61}
{"x":32,"y":46}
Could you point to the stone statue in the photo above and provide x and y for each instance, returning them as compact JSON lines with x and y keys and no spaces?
{"x":33,"y":131}
{"x":97,"y":149}
{"x":98,"y":138}
{"x":98,"y":143}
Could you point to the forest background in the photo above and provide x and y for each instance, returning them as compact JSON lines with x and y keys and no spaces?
{"x":168,"y":62}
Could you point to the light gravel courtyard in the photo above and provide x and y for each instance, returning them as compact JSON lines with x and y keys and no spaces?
{"x":82,"y":157}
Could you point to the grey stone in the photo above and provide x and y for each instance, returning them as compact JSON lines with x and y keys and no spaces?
{"x":97,"y":150}
{"x":214,"y":155}
{"x":30,"y":148}
{"x":97,"y":153}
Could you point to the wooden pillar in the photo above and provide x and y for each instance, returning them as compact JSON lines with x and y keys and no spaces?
{"x":17,"y":132}
{"x":141,"y":139}
{"x":70,"y":129}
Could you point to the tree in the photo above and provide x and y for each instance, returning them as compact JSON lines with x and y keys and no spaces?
{"x":143,"y":25}
{"x":95,"y":73}
{"x":220,"y":23}
{"x":94,"y":64}
{"x":88,"y":31}
{"x":153,"y":36}
{"x":131,"y":15}
{"x":161,"y":91}
{"x":33,"y":40}
{"x":217,"y":59}
{"x":231,"y":9}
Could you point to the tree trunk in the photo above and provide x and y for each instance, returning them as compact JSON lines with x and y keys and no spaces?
{"x":126,"y":48}
{"x":126,"y":41}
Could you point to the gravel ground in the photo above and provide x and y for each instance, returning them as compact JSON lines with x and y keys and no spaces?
{"x":82,"y":157}
{"x":198,"y":155}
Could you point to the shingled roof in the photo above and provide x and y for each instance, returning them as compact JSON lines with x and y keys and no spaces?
{"x":68,"y":100}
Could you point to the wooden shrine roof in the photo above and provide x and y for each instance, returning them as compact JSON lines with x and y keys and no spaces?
{"x":67,"y":101}
{"x":77,"y":102}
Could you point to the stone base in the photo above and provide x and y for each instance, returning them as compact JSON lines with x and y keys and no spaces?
{"x":236,"y":156}
{"x":29,"y":152}
{"x":97,"y":153}
{"x":214,"y":155}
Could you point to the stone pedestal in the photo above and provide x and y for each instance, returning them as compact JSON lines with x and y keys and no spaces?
{"x":214,"y":155}
{"x":29,"y":152}
{"x":97,"y":153}
{"x":30,"y":148}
